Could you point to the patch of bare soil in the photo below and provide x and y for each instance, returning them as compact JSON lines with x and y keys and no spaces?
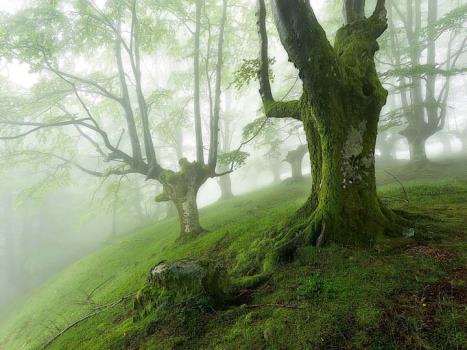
{"x":440,"y":254}
{"x":412,"y":316}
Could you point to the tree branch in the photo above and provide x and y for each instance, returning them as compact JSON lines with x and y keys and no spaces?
{"x":306,"y":44}
{"x":103,"y":90}
{"x":37,"y":127}
{"x":96,"y":311}
{"x":214,"y":137}
{"x":353,"y":10}
{"x":272,"y":108}
{"x":136,"y":62}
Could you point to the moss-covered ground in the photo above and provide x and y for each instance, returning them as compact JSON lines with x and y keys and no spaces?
{"x":406,"y":293}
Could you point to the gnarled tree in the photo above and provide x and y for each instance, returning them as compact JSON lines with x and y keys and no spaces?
{"x":340,"y":108}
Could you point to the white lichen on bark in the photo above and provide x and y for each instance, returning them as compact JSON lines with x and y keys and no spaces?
{"x":355,"y":166}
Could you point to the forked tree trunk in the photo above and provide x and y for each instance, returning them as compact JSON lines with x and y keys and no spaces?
{"x":181,"y":188}
{"x":340,"y":109}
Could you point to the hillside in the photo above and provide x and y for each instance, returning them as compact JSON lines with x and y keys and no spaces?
{"x":406,"y":293}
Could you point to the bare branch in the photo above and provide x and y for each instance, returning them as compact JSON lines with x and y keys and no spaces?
{"x":37,"y":127}
{"x":353,"y":10}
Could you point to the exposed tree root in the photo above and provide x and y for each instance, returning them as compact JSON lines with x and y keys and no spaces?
{"x":310,"y":226}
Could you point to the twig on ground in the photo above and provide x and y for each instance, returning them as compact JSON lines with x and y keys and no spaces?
{"x":400,"y":183}
{"x":96,"y":311}
{"x":254,"y":306}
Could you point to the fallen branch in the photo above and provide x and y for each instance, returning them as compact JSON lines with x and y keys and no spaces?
{"x":254,"y":306}
{"x":96,"y":311}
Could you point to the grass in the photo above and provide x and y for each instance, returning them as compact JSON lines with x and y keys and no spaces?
{"x":404,"y":293}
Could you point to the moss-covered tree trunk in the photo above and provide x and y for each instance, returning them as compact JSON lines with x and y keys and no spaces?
{"x":340,"y":109}
{"x":187,"y":209}
{"x":181,"y":188}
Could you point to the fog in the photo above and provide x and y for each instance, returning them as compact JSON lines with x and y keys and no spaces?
{"x":53,"y":211}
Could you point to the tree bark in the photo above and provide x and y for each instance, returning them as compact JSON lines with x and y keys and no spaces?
{"x":181,"y":188}
{"x":295,"y":159}
{"x":417,"y":149}
{"x":196,"y":72}
{"x":187,"y":209}
{"x":225,"y":185}
{"x":340,"y":109}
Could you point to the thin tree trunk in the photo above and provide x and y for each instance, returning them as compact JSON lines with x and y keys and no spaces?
{"x":214,"y":141}
{"x":197,"y":104}
{"x":276,"y":171}
{"x":225,"y":185}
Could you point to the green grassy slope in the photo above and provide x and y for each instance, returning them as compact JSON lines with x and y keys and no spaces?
{"x":403,"y":293}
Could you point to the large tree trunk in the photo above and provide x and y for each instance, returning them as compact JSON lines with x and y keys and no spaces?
{"x":181,"y":188}
{"x":344,"y":207}
{"x":296,"y":170}
{"x":417,"y":150}
{"x":340,"y":109}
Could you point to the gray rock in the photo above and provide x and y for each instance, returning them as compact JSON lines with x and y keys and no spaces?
{"x":189,"y":278}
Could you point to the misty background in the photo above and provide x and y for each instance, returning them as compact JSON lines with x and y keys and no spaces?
{"x":52,"y":214}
